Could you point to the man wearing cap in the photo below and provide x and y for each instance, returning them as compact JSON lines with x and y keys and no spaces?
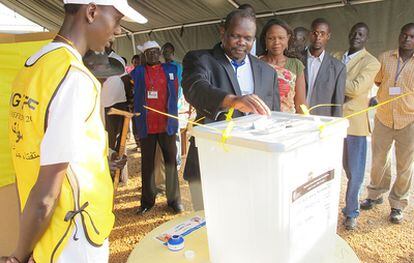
{"x":225,"y":77}
{"x":117,"y":92}
{"x":156,"y":86}
{"x":58,"y":141}
{"x":168,"y":52}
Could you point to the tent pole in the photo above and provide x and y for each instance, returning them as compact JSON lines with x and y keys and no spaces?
{"x":134,"y":50}
{"x":233,"y":3}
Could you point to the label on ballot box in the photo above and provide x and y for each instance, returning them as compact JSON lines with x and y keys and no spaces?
{"x":310,"y":210}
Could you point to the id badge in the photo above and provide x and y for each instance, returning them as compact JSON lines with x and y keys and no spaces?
{"x":394,"y":91}
{"x":171,"y":76}
{"x":152,"y":94}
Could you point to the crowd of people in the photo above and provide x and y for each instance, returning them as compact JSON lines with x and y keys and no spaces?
{"x":65,"y":185}
{"x":304,"y":73}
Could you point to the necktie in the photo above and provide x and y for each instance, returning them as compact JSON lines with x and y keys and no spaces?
{"x":237,"y":64}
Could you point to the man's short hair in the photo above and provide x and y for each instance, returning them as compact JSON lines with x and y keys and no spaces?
{"x":71,"y":9}
{"x":168,"y":44}
{"x":136,"y":56}
{"x":320,"y":21}
{"x":360,"y":25}
{"x":247,"y":7}
{"x":300,"y":29}
{"x":407,"y":27}
{"x":237,"y":14}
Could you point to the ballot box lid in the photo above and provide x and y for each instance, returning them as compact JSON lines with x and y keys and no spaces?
{"x":276,"y":133}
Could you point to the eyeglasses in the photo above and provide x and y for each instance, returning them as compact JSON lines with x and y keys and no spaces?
{"x":239,"y":37}
{"x":319,"y":33}
{"x":152,"y":51}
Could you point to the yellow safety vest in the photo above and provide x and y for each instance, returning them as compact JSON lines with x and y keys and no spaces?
{"x":88,"y":193}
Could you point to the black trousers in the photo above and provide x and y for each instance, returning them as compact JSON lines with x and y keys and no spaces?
{"x":114,"y":124}
{"x":169,"y":151}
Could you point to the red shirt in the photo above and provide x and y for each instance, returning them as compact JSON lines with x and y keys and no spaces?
{"x":156,"y":83}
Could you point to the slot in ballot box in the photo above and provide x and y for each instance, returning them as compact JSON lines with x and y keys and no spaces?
{"x":271,"y":192}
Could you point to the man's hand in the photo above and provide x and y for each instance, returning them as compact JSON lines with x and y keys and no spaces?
{"x":12,"y":259}
{"x":6,"y":260}
{"x":131,"y":107}
{"x":9,"y":260}
{"x":39,"y":209}
{"x":117,"y":163}
{"x":247,"y":104}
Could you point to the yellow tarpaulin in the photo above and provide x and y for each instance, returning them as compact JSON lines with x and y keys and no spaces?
{"x":14,"y":51}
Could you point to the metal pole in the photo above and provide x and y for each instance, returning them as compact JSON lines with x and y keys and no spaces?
{"x":233,"y":3}
{"x":134,"y":47}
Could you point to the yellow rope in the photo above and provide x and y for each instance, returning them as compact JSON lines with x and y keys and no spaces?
{"x":225,"y":134}
{"x":324,"y":105}
{"x":198,"y":121}
{"x":323,"y":126}
{"x":182,"y":119}
{"x":306,"y":111}
{"x":230,"y":125}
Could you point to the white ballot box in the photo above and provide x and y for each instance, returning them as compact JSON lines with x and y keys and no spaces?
{"x":271,"y":192}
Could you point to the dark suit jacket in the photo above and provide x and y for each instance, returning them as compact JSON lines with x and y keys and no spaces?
{"x":208,"y":77}
{"x":329,"y":86}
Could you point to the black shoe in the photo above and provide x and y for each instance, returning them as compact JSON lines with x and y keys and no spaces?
{"x":350,"y":223}
{"x":178,"y":208}
{"x":368,"y":204}
{"x":396,"y":216}
{"x":142,"y":210}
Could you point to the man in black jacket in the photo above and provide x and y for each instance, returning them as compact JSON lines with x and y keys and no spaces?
{"x":224,"y":77}
{"x":325,"y":76}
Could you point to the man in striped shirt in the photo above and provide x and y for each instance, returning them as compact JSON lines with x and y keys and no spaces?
{"x":394,"y":122}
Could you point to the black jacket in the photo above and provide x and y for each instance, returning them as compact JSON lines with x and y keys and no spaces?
{"x":329,"y":87}
{"x":208,"y":77}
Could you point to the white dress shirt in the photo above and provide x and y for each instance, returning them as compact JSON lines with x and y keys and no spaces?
{"x":314,"y":64}
{"x":346,"y":58}
{"x":244,"y":76}
{"x":113,"y":91}
{"x":253,"y":50}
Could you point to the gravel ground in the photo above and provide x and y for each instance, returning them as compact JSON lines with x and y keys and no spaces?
{"x":374,"y":241}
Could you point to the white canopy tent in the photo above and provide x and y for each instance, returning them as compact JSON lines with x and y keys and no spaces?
{"x":193,"y":24}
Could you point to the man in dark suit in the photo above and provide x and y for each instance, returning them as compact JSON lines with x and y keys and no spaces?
{"x":325,"y":76}
{"x":224,"y":77}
